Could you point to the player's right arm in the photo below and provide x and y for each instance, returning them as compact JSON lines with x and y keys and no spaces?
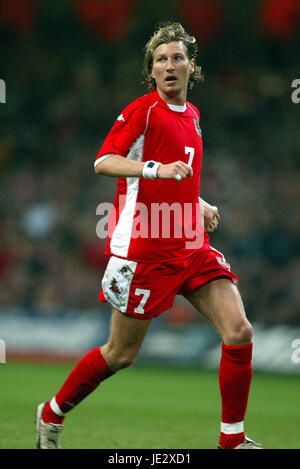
{"x":118,"y":166}
{"x":126,"y":131}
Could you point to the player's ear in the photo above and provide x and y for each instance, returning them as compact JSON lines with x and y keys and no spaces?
{"x":192,"y":66}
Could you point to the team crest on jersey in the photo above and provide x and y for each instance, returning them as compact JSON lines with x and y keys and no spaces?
{"x":197,"y":127}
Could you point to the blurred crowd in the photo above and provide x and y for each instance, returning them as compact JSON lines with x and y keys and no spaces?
{"x":64,"y":92}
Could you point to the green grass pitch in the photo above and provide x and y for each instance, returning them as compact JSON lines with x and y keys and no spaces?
{"x":146,"y":407}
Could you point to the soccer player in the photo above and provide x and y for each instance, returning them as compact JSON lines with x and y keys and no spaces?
{"x":158,"y":248}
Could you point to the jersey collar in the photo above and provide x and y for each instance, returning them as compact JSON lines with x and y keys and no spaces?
{"x":173,"y":107}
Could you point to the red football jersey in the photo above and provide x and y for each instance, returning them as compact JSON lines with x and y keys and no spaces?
{"x":156,"y":220}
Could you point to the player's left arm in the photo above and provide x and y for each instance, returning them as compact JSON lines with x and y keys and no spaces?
{"x":211,"y":215}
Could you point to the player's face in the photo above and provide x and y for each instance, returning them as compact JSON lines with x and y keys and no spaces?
{"x":171,"y":70}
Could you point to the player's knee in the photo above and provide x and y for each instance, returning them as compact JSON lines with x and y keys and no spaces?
{"x":241,"y":334}
{"x":119,"y":359}
{"x":124,"y":361}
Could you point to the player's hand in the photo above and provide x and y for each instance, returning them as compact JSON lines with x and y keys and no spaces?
{"x":211,"y":218}
{"x":177,"y":170}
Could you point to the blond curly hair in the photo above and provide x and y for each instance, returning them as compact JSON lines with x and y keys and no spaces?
{"x":165,"y":33}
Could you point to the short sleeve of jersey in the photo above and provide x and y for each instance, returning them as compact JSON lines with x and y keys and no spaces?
{"x":195,"y":109}
{"x":129,"y":125}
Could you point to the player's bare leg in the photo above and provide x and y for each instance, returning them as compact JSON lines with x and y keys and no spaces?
{"x":125,"y":340}
{"x":220,"y":302}
{"x":126,"y":337}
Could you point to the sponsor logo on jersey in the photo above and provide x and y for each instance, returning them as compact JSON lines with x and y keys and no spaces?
{"x":197,"y":127}
{"x":223,"y":263}
{"x":121,"y":118}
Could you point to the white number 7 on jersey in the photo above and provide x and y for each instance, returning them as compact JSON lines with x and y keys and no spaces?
{"x":190,"y":151}
{"x":140,"y":308}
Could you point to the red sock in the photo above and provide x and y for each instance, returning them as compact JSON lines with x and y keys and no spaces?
{"x":83,"y":379}
{"x":234,"y":378}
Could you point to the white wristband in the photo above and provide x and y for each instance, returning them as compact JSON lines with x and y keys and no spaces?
{"x":150,"y":169}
